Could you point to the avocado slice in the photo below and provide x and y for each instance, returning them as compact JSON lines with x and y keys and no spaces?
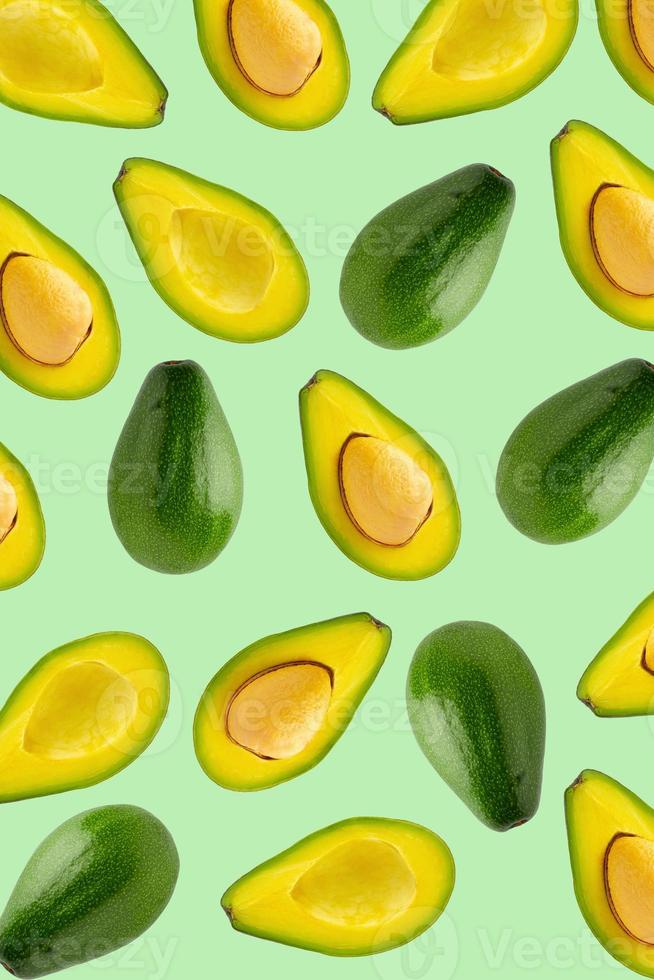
{"x":627,"y":31}
{"x":355,"y":888}
{"x":576,"y":461}
{"x":619,"y":681}
{"x":74,"y":61}
{"x":462,"y":56}
{"x":283,"y":62}
{"x":93,"y":885}
{"x":22,"y":528}
{"x":175,"y":481}
{"x":478,"y":713}
{"x":605,"y":206}
{"x":58,"y":331}
{"x":382,"y":493}
{"x":441,"y":245}
{"x":277,"y":708}
{"x":83,"y":712}
{"x":219,"y":260}
{"x":611,"y":840}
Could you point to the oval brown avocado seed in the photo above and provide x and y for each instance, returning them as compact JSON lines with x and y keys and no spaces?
{"x":45,"y":313}
{"x":275,"y":43}
{"x":277,"y":713}
{"x":8,"y":507}
{"x":647,"y":659}
{"x":386,"y":494}
{"x":622,"y":236}
{"x":641,"y":26}
{"x":629,"y":885}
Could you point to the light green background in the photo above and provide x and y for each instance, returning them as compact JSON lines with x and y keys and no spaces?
{"x":513,"y":912}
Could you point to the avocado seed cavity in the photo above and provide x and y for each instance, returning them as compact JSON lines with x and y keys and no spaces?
{"x":387,"y":495}
{"x":8,"y":507}
{"x":622,"y":235}
{"x":277,"y":713}
{"x":275,"y":43}
{"x":45,"y":313}
{"x":359,"y":883}
{"x":629,"y":885}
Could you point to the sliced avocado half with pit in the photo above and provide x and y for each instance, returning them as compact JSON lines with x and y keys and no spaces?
{"x":627,"y":30}
{"x":22,"y":528}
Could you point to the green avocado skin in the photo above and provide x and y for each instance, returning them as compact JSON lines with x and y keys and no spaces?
{"x":94,"y":884}
{"x":421,"y":265}
{"x":576,"y":461}
{"x":477,"y":710}
{"x":175,"y":482}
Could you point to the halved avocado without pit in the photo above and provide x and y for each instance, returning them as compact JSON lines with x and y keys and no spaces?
{"x":278,"y":707}
{"x":82,"y":713}
{"x":220,"y":261}
{"x":627,"y":30}
{"x":605,"y":207}
{"x":355,"y":888}
{"x":382,"y":493}
{"x":73,"y":61}
{"x":463,"y":56}
{"x":283,"y":62}
{"x":619,"y":681}
{"x":22,"y":528}
{"x":58,"y":332}
{"x":611,"y":840}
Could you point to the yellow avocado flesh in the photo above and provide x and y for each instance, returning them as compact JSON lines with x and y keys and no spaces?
{"x":84,"y":712}
{"x":283,"y":62}
{"x":44,"y":311}
{"x":381,"y":492}
{"x":276,"y":714}
{"x":386,"y":493}
{"x":22,"y":531}
{"x":48,"y":297}
{"x":275,"y":42}
{"x":605,"y":204}
{"x":620,"y":679}
{"x":352,"y":889}
{"x":611,"y":840}
{"x":276,"y":708}
{"x":219,"y":260}
{"x":72,"y":61}
{"x":465,"y":55}
{"x":622,"y":229}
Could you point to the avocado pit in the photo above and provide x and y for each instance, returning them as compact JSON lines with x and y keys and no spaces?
{"x":8,"y":507}
{"x":386,"y":494}
{"x":276,"y":45}
{"x":640,"y":15}
{"x":622,"y":236}
{"x":45,"y":313}
{"x":629,"y":885}
{"x":276,"y":713}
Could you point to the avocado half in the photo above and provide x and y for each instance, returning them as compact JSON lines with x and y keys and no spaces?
{"x":611,"y":841}
{"x":628,"y":34}
{"x":355,"y":888}
{"x":463,"y":56}
{"x":382,"y":493}
{"x":220,"y":261}
{"x":73,"y":61}
{"x":58,"y":331}
{"x":277,"y":708}
{"x":283,"y":62}
{"x":81,"y":714}
{"x":22,"y":528}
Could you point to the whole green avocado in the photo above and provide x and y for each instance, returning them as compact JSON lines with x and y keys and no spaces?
{"x":477,"y":710}
{"x":421,"y":265}
{"x":578,"y":459}
{"x":175,"y":482}
{"x":94,"y":884}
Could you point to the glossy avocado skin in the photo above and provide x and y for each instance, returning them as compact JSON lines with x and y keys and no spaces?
{"x":175,"y":482}
{"x":477,"y":710}
{"x":421,"y":265}
{"x":94,"y":884}
{"x":578,"y":459}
